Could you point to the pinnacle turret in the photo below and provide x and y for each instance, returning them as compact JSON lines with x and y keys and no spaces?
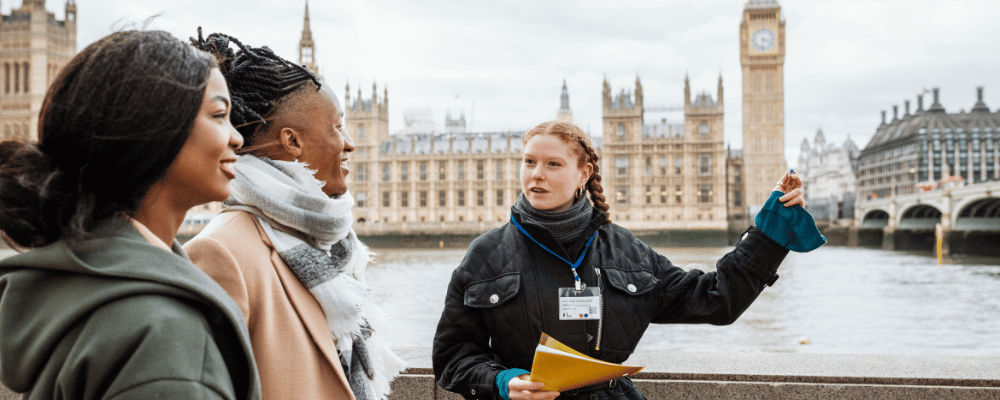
{"x":307,"y":48}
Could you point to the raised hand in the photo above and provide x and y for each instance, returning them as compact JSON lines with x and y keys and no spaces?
{"x":791,"y":185}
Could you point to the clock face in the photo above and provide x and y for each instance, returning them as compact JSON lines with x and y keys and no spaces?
{"x":763,"y":39}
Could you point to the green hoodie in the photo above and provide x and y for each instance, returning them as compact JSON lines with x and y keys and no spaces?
{"x":115,"y":317}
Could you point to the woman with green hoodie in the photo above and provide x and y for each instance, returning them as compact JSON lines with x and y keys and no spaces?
{"x":133,"y":132}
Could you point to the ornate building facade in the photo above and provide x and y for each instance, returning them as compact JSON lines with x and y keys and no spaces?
{"x":930,"y":146}
{"x":762,"y":56}
{"x":425,"y":181}
{"x":828,"y":178}
{"x":661,"y":176}
{"x":34,"y":45}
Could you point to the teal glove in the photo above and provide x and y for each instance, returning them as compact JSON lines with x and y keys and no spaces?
{"x":503,"y":379}
{"x":792,"y":227}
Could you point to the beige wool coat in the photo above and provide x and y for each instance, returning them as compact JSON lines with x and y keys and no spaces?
{"x":296,"y":355}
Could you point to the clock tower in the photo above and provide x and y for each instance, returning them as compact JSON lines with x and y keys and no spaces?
{"x":762,"y":56}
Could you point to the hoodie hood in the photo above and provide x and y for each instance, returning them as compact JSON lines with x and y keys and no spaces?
{"x":47,"y":292}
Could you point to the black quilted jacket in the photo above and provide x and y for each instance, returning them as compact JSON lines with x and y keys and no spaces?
{"x":504,"y":295}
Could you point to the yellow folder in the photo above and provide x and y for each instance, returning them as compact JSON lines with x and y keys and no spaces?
{"x":561,"y":368}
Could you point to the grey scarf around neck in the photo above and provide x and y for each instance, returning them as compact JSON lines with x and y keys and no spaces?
{"x":566,"y":226}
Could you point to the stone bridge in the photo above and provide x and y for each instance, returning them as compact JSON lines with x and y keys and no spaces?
{"x":969,"y":215}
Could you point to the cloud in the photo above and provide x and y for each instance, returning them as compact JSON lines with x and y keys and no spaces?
{"x":846,"y":59}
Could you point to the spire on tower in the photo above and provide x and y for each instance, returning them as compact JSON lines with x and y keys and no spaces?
{"x":718,"y":98}
{"x":687,"y":89}
{"x":307,"y":48}
{"x":565,"y":114}
{"x":564,"y":99}
{"x":306,"y":31}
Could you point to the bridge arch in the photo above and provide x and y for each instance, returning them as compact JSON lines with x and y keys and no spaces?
{"x":979,"y":215}
{"x":875,"y":219}
{"x":920,"y":216}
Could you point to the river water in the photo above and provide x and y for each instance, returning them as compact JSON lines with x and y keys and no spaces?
{"x":841,"y":300}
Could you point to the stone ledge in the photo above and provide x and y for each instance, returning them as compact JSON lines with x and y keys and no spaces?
{"x":765,"y":376}
{"x":779,"y":376}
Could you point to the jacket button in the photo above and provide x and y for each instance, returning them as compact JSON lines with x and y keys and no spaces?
{"x":473,"y":392}
{"x":631,"y":288}
{"x":493,"y":300}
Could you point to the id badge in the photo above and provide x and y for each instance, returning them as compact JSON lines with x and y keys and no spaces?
{"x":579,"y":305}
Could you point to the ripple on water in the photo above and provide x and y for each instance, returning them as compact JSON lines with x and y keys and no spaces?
{"x":846,"y":301}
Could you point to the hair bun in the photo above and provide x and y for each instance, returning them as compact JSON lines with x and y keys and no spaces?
{"x":28,"y":184}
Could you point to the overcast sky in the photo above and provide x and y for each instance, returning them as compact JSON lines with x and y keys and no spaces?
{"x":846,"y":59}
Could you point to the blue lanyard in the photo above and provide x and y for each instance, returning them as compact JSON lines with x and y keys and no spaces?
{"x":572,"y":266}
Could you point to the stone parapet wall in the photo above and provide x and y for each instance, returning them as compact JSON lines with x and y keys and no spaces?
{"x":691,"y":375}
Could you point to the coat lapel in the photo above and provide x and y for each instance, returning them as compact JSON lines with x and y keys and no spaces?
{"x":308,"y":309}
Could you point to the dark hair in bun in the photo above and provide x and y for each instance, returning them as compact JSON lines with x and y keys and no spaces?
{"x":112,"y":122}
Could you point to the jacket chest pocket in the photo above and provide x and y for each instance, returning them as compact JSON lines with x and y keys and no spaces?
{"x":628,"y":306}
{"x":631,"y":283}
{"x":493,"y":292}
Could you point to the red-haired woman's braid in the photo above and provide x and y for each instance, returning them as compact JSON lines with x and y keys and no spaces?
{"x":594,"y":184}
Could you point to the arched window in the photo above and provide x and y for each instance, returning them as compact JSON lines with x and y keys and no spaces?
{"x":361,"y":133}
{"x":17,"y":132}
{"x":27,"y":77}
{"x":6,"y":132}
{"x":17,"y":77}
{"x":6,"y":78}
{"x":703,"y":129}
{"x":25,"y":133}
{"x":621,"y":131}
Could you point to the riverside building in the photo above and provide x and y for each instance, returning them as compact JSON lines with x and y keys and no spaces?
{"x":930,"y":147}
{"x":34,"y":45}
{"x":828,"y":178}
{"x":664,"y":176}
{"x":657,"y":177}
{"x":423,"y":180}
{"x":762,"y":56}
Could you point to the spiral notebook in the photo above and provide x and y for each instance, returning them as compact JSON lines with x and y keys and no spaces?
{"x":561,"y":368}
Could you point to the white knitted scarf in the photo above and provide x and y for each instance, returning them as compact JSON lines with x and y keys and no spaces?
{"x":313,"y":234}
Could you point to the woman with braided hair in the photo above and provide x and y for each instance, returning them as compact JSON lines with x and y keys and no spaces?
{"x":284,"y":248}
{"x":560,"y":243}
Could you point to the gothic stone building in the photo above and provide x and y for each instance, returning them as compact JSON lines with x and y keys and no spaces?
{"x":828,"y":178}
{"x":762,"y":56}
{"x":424,"y":181}
{"x":34,"y":45}
{"x":660,"y":176}
{"x":657,"y":177}
{"x":929,"y":146}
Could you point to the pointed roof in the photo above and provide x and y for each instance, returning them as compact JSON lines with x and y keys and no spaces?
{"x":849,"y":144}
{"x":306,"y":31}
{"x":703,"y":100}
{"x":820,"y":139}
{"x":564,"y":98}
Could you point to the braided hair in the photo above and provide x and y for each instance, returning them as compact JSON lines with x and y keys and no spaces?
{"x":258,"y":80}
{"x":571,"y":134}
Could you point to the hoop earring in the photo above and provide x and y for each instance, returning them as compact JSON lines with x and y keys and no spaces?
{"x":579,"y":192}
